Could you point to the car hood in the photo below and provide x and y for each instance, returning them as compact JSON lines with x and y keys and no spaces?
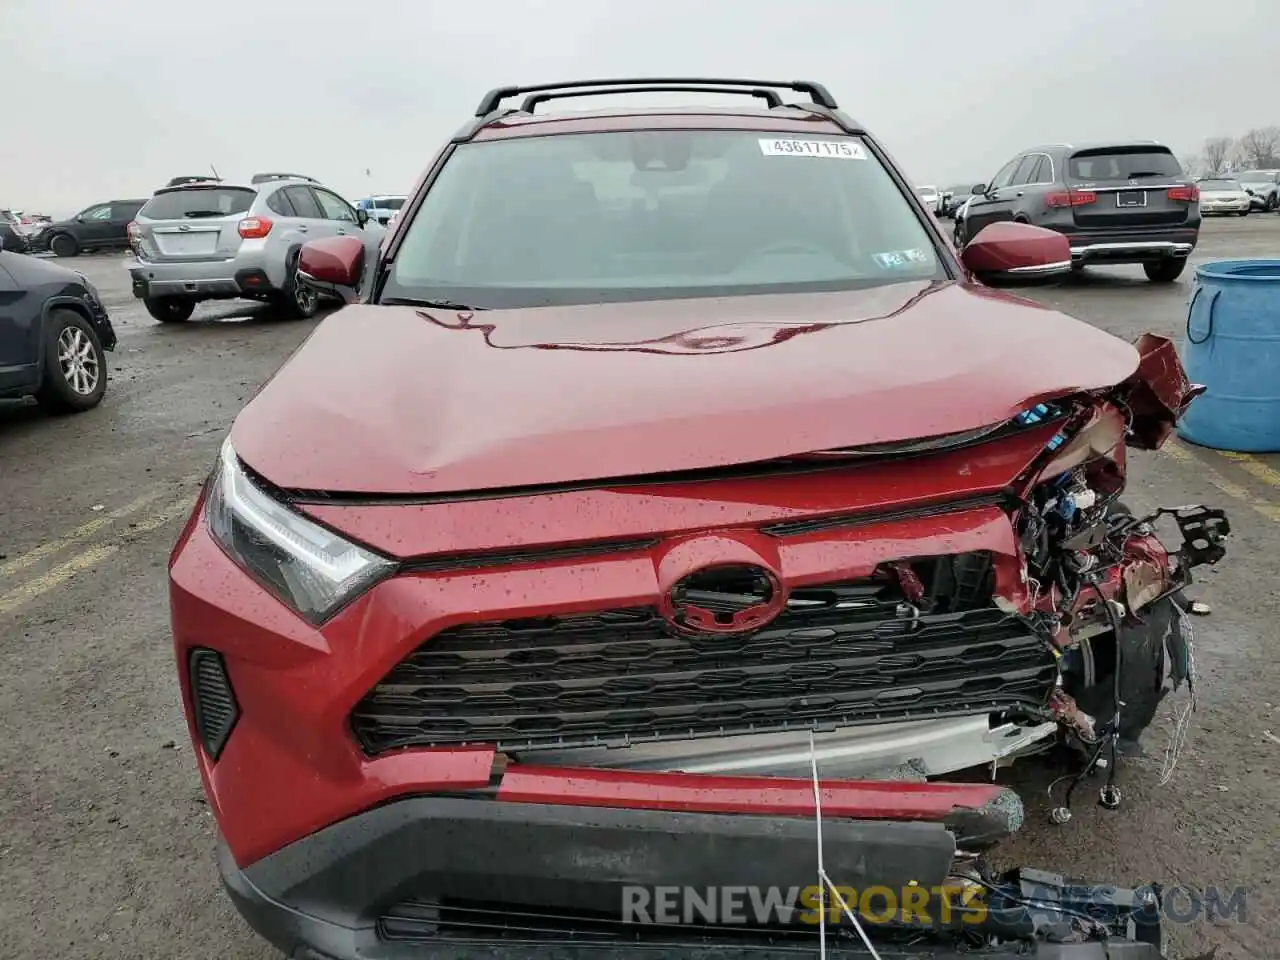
{"x":1223,"y":195}
{"x":407,"y":400}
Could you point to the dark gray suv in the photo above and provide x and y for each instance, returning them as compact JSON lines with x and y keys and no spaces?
{"x":1115,"y":202}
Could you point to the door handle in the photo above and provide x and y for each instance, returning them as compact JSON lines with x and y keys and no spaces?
{"x":303,"y":228}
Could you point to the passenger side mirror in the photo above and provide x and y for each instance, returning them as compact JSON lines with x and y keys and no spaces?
{"x":979,"y":191}
{"x":333,"y":266}
{"x":1016,"y":253}
{"x":362,"y":216}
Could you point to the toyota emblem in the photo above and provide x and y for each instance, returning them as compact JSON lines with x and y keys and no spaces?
{"x":725,"y":599}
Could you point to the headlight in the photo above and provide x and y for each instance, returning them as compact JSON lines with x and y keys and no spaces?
{"x":312,"y":570}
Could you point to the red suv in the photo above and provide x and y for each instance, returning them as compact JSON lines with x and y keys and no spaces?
{"x":668,"y":509}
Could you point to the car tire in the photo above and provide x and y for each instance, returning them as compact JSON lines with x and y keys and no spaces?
{"x":64,"y":245}
{"x":1164,"y":271}
{"x":74,"y":366}
{"x":1244,"y":213}
{"x":297,"y":300}
{"x":170,"y":309}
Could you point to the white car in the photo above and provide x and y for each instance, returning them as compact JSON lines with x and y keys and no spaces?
{"x":1223,"y":195}
{"x":930,"y":197}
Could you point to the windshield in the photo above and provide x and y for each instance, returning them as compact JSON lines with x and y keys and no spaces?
{"x":192,"y":202}
{"x":1257,"y":176}
{"x":388,"y":203}
{"x":658,"y":214}
{"x":1219,"y":185}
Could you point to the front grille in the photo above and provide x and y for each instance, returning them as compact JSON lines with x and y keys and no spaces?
{"x":841,"y":654}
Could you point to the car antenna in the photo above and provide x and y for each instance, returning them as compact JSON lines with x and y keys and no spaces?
{"x":215,"y":173}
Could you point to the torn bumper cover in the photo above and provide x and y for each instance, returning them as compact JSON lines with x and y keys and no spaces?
{"x":452,"y":877}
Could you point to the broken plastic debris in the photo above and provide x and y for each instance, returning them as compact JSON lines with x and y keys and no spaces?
{"x":1199,"y":608}
{"x":97,"y":506}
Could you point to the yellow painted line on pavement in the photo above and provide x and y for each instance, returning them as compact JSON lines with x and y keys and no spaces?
{"x":1232,"y":489}
{"x":1253,"y":466}
{"x":81,"y":533}
{"x":55,"y":577}
{"x":91,"y":556}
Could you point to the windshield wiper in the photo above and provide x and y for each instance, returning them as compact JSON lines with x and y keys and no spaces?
{"x":1145,"y":173}
{"x":193,"y":214}
{"x":438,"y":304}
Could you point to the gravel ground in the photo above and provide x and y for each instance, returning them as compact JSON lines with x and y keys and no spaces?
{"x":106,"y":845}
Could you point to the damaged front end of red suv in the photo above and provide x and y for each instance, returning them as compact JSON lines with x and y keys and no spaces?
{"x":495,"y":624}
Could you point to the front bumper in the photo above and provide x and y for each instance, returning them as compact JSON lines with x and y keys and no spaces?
{"x":1238,"y":206}
{"x":451,"y":877}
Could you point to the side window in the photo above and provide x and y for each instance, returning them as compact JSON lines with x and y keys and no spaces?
{"x":335,"y":208}
{"x":278,"y":203}
{"x":100,"y":212}
{"x":1043,"y":173}
{"x":124,"y":212}
{"x":1026,"y":167}
{"x":1005,"y":176}
{"x":304,"y":204}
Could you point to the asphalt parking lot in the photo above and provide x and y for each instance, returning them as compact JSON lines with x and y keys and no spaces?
{"x":106,"y":845}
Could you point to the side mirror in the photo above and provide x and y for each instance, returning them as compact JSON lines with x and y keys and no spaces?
{"x":979,"y":191}
{"x":333,"y":266}
{"x":362,"y":216}
{"x":79,"y":219}
{"x":1017,"y":253}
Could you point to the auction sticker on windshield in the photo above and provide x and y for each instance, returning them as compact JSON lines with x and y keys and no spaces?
{"x":837,"y":149}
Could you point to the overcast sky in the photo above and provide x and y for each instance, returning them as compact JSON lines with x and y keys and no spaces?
{"x":107,"y":100}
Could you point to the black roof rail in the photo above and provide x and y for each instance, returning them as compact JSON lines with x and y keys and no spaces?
{"x":770,"y":97}
{"x":184,"y":181}
{"x":493,"y":99}
{"x":264,"y":177}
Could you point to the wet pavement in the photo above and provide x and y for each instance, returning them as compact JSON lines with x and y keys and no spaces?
{"x":106,"y":844}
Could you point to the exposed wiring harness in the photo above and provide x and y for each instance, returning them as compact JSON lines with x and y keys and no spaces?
{"x":1108,"y":736}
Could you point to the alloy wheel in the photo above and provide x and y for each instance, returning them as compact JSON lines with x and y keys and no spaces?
{"x":78,"y":361}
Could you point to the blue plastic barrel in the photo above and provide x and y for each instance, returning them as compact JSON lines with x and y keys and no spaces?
{"x":1232,"y":346}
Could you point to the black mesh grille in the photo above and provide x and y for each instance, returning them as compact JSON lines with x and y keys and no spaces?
{"x":215,"y":702}
{"x":841,"y":654}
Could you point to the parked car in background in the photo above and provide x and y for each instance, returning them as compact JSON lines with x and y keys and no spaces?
{"x":1116,"y":202}
{"x":14,"y":235}
{"x":1223,"y":195}
{"x":382,"y":208}
{"x":954,"y":197}
{"x":462,"y":658}
{"x":1263,"y":185}
{"x":102,"y":226}
{"x":929,"y":197}
{"x":212,"y":240}
{"x":54,"y":335}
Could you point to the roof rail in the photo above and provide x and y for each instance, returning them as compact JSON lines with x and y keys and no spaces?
{"x":770,"y":97}
{"x":816,"y":91}
{"x":265,"y":177}
{"x":184,"y":181}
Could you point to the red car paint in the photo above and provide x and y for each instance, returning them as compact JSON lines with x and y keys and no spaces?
{"x":398,"y":401}
{"x":496,"y":402}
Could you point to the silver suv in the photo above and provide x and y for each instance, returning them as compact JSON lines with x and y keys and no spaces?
{"x":210,"y":240}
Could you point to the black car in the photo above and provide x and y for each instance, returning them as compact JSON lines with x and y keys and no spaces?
{"x":54,"y":334}
{"x":102,"y":226}
{"x":1116,"y":203}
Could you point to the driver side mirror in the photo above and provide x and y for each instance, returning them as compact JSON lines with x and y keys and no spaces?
{"x":1016,"y":253}
{"x":362,"y":216}
{"x":979,"y":191}
{"x":333,"y":266}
